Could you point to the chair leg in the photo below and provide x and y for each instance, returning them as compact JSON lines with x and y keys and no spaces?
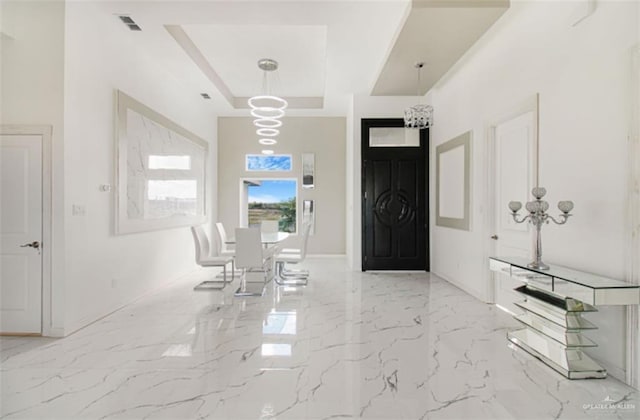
{"x":294,"y":273}
{"x":242,"y":290}
{"x":213,"y":285}
{"x":287,"y":281}
{"x":216,"y":285}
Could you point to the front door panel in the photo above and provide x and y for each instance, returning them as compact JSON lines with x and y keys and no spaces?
{"x":394,"y":203}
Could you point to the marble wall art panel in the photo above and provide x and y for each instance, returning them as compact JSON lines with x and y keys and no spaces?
{"x":161,"y":170}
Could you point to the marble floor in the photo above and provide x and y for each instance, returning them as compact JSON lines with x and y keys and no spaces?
{"x":348,"y":345}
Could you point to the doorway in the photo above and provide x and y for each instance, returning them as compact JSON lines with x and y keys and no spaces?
{"x":514,"y":176}
{"x":25,"y":229}
{"x":395,"y":204}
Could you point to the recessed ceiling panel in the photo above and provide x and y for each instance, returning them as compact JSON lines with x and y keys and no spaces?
{"x":439,"y":37}
{"x":234,"y":50}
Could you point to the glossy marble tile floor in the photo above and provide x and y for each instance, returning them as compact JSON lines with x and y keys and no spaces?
{"x":348,"y":345}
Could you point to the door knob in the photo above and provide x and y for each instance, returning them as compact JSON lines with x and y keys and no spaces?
{"x":494,"y":237}
{"x":34,"y":244}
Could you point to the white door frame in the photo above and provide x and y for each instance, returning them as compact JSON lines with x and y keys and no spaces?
{"x":44,"y":131}
{"x":633,"y":236}
{"x":528,"y":105}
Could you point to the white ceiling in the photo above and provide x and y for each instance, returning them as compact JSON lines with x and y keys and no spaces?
{"x":232,"y":50}
{"x":327,"y":49}
{"x":438,"y":37}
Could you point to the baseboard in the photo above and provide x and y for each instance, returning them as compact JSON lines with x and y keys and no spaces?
{"x":397,"y":271}
{"x":326,"y":255}
{"x":476,"y":294}
{"x":92,"y":319}
{"x":612,"y":370}
{"x":53,"y":332}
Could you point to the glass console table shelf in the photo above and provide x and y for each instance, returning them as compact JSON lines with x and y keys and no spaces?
{"x":554,"y":301}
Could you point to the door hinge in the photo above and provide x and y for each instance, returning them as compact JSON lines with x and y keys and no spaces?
{"x":365,"y":195}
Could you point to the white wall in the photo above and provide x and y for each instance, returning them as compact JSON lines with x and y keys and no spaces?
{"x":60,"y":68}
{"x":365,"y":106}
{"x":323,"y":136}
{"x":583,"y":76}
{"x":32,"y":84}
{"x":105,"y":271}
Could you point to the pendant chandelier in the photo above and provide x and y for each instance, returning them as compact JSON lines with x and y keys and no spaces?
{"x":421,"y":115}
{"x":267,"y":108}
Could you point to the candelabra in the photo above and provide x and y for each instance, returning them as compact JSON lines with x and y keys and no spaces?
{"x":537,"y":217}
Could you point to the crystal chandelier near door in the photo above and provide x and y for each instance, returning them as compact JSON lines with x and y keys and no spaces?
{"x":421,"y":115}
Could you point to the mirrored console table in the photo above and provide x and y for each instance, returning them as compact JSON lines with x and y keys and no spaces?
{"x":554,"y":301}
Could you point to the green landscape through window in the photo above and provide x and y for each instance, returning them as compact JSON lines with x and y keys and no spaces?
{"x":273,"y":200}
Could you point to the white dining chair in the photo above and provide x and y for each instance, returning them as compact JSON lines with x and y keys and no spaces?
{"x":205,"y":259}
{"x":251,"y":258}
{"x":271,"y":227}
{"x":222,"y":247}
{"x":284,"y":276}
{"x":297,"y":250}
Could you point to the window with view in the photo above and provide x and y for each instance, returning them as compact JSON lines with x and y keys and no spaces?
{"x":272,"y":199}
{"x":268,"y":163}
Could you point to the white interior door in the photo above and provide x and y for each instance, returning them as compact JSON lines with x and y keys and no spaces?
{"x":21,"y":234}
{"x":514,"y":178}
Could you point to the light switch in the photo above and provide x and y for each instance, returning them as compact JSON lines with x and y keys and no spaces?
{"x":78,"y":210}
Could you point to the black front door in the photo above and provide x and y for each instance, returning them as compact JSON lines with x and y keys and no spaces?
{"x":394,"y":197}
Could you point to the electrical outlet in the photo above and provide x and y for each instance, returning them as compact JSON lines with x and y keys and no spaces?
{"x":78,"y":210}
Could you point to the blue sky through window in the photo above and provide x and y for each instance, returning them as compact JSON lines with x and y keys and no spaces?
{"x":268,"y":162}
{"x":272,"y":191}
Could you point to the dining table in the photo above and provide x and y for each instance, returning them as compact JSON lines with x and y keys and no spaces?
{"x":267,"y":238}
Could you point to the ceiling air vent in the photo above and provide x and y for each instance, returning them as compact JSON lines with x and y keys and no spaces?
{"x":131,"y":24}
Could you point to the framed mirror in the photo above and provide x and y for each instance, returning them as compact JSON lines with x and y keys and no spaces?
{"x":453,"y":181}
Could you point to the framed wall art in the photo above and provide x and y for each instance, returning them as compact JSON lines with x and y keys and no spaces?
{"x":161,"y":170}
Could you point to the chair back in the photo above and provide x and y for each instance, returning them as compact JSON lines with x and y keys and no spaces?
{"x":269,"y":226}
{"x":248,"y":248}
{"x":201,"y":241}
{"x":222,"y":238}
{"x":306,"y":229}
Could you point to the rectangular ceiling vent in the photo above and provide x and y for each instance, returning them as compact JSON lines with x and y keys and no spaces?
{"x":131,"y":24}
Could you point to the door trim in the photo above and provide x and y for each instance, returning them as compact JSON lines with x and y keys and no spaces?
{"x":45,"y":132}
{"x":530,"y":104}
{"x":633,"y":265}
{"x":365,"y":124}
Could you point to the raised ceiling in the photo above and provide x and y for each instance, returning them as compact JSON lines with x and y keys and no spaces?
{"x":327,"y":49}
{"x":436,"y":33}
